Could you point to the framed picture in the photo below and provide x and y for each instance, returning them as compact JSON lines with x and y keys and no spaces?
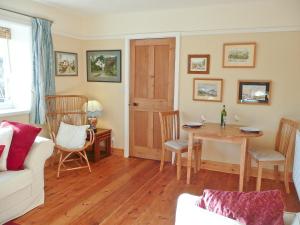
{"x":254,"y":92}
{"x":208,"y":89}
{"x":103,"y":65}
{"x":66,"y":64}
{"x":239,"y":55}
{"x":198,"y":64}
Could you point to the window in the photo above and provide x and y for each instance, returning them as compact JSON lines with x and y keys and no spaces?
{"x":15,"y":66}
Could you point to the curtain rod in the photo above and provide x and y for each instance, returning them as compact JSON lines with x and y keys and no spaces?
{"x":24,"y":14}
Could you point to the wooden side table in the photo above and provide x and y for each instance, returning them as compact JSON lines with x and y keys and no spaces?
{"x":101,"y":135}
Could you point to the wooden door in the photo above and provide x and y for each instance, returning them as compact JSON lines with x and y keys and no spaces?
{"x":151,"y":91}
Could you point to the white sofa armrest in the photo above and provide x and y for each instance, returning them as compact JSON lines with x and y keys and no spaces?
{"x":188,"y":213}
{"x":40,"y":151}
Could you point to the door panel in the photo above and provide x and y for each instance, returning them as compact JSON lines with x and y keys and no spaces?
{"x":161,"y":68}
{"x":141,"y":128}
{"x":151,"y":91}
{"x":142,"y":67}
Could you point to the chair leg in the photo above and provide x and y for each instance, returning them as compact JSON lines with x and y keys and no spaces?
{"x":53,"y":157}
{"x":59,"y":164}
{"x":248,"y":171}
{"x":258,"y":182}
{"x":286,"y":179}
{"x":199,"y":155}
{"x":87,"y":161}
{"x":276,"y":173}
{"x":196,"y":155}
{"x":178,"y":165}
{"x":162,"y":159}
{"x":173,"y":158}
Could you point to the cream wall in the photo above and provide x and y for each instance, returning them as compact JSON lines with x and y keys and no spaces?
{"x":277,"y":60}
{"x":64,"y":21}
{"x":74,"y":84}
{"x":111,"y":95}
{"x":238,"y":16}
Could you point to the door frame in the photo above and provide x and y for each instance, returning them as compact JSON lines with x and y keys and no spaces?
{"x":128,"y":38}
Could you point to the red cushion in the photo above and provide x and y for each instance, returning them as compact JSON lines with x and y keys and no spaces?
{"x":22,"y":140}
{"x":251,"y":208}
{"x":1,"y":149}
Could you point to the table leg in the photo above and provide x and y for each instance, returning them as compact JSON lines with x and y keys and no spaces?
{"x":108,"y":145}
{"x":96,"y":150}
{"x":243,"y":163}
{"x":189,"y":159}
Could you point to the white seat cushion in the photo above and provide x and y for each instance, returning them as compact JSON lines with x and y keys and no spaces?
{"x":177,"y":144}
{"x":266,"y":155}
{"x":12,"y":181}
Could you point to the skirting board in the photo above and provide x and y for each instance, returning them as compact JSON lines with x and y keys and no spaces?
{"x":235,"y":169}
{"x":117,"y":151}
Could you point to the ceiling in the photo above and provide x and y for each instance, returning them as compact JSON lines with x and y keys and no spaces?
{"x":111,"y":6}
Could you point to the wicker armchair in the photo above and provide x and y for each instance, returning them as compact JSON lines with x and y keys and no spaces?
{"x":70,"y":109}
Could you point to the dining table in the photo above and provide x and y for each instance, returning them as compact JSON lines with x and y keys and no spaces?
{"x":230,"y":133}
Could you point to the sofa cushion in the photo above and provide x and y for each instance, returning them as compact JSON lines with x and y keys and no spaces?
{"x":1,"y":149}
{"x":23,"y":138}
{"x":12,"y":181}
{"x":247,"y":207}
{"x":6,"y":134}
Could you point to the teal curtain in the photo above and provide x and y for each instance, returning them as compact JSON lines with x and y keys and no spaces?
{"x":43,"y":71}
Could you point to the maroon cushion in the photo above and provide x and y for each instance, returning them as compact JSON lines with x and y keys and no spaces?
{"x":1,"y":149}
{"x":251,"y":208}
{"x":22,"y":140}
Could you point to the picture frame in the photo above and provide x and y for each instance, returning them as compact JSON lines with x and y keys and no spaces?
{"x":207,"y":89}
{"x":254,"y":92}
{"x":66,"y":63}
{"x":104,"y":65}
{"x":198,"y":64}
{"x":239,"y":55}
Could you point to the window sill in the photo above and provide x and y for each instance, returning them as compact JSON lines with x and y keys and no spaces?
{"x":13,"y":112}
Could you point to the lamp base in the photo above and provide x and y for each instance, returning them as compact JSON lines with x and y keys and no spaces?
{"x":93,"y":123}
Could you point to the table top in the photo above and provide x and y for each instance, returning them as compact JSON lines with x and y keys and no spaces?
{"x":102,"y":130}
{"x":214,"y":130}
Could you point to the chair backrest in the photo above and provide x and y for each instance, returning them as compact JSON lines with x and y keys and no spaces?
{"x":70,"y":109}
{"x":170,"y":125}
{"x":285,"y":138}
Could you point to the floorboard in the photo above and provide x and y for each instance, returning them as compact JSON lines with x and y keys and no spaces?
{"x":122,"y":191}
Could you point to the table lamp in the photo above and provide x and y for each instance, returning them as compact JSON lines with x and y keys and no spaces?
{"x":94,"y":111}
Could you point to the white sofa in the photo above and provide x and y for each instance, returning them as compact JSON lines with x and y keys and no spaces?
{"x":188,"y":213}
{"x":21,"y":191}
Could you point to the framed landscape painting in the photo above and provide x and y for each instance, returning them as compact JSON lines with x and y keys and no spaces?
{"x":254,"y":92}
{"x":208,"y":89}
{"x":198,"y":64}
{"x":66,"y":64}
{"x":237,"y":55}
{"x":103,"y":65}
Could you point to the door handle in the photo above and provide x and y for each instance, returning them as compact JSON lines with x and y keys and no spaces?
{"x":133,"y":104}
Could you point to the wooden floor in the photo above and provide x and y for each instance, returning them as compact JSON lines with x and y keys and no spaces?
{"x":128,"y":191}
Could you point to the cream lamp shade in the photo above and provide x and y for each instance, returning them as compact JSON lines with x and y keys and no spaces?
{"x":94,"y":109}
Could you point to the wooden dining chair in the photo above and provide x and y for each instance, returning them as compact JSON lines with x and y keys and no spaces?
{"x":170,"y":133}
{"x":70,"y":109}
{"x":281,"y":155}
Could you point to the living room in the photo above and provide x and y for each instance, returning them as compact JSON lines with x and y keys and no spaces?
{"x":121,"y":186}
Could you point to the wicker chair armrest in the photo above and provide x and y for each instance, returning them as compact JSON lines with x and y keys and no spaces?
{"x":91,"y":136}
